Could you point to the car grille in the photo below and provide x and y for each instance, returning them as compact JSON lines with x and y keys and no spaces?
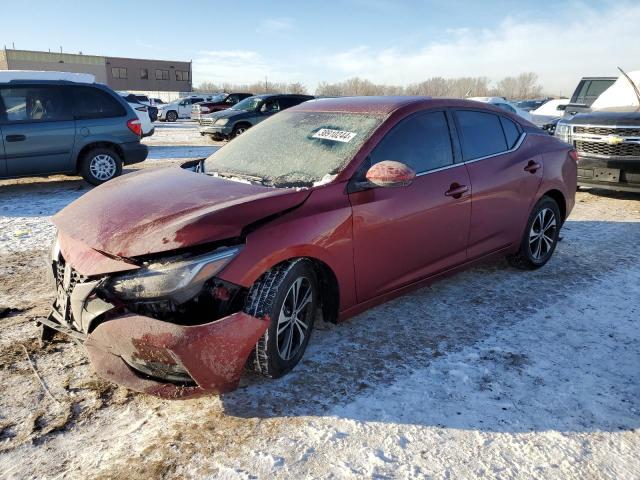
{"x":623,"y":132}
{"x":206,"y":121}
{"x":64,"y":289}
{"x":596,"y":148}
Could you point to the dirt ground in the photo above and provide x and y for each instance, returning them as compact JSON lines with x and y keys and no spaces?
{"x":493,"y":372}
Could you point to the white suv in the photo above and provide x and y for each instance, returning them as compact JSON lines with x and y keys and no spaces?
{"x":180,"y":108}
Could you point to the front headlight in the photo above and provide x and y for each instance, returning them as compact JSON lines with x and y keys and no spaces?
{"x":179,"y":279}
{"x":563,"y":131}
{"x":222,"y":121}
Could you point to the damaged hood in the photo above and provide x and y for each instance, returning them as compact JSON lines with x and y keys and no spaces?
{"x":168,"y":208}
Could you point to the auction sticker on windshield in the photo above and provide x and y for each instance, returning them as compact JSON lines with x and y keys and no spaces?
{"x":335,"y":135}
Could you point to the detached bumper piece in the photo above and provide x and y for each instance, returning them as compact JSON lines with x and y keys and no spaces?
{"x":142,"y":353}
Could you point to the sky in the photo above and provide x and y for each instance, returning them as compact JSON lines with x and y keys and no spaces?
{"x":385,"y":41}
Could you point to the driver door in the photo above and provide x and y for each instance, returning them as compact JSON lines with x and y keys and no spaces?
{"x":404,"y":234}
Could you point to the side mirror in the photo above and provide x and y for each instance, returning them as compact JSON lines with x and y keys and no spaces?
{"x":390,"y":173}
{"x":562,"y":107}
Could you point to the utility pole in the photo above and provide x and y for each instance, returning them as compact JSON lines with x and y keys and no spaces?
{"x":266,"y":85}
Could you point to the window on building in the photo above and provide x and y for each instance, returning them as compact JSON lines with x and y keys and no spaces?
{"x":144,"y":74}
{"x":162,"y":74}
{"x":182,"y":76}
{"x":118,"y":72}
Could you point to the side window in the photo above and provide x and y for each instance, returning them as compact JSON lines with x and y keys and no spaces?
{"x":511,"y":132}
{"x":271,"y":105}
{"x":421,"y":141}
{"x":35,"y":104}
{"x":480,"y":134}
{"x":90,"y":102}
{"x":231,"y":99}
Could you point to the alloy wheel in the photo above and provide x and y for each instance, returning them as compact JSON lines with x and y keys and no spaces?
{"x":103,"y":167}
{"x":294,"y":318}
{"x":542,"y":235}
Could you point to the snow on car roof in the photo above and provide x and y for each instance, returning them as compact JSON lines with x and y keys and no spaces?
{"x":12,"y":75}
{"x":620,"y":95}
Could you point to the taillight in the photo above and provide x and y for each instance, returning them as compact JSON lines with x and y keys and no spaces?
{"x":574,"y":155}
{"x":135,"y":126}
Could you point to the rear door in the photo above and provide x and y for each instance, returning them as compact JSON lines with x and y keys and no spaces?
{"x":38,"y":131}
{"x":403,"y":234}
{"x":505,"y":179}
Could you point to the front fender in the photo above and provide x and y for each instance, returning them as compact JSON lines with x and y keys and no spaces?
{"x":320,"y":229}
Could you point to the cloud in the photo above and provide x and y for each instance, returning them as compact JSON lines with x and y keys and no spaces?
{"x":235,"y":66}
{"x":587,"y":42}
{"x":578,"y":41}
{"x":272,"y":25}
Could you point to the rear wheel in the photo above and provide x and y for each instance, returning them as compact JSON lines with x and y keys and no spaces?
{"x":540,"y":237}
{"x":288,"y":294}
{"x":100,"y":165}
{"x":172,"y":116}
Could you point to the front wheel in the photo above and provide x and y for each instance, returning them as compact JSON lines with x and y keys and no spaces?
{"x":100,"y":165}
{"x":288,"y":295}
{"x":540,"y":236}
{"x":239,"y":130}
{"x":172,"y":116}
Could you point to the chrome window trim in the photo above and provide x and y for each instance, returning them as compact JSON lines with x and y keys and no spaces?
{"x":511,"y":150}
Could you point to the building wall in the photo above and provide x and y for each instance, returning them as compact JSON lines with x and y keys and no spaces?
{"x":169,"y":73}
{"x":57,"y":62}
{"x":3,"y":60}
{"x":118,"y":73}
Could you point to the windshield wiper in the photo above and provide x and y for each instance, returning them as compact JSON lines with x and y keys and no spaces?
{"x":229,"y":174}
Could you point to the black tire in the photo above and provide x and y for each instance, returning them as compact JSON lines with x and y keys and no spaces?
{"x":239,"y":130}
{"x":540,"y":237}
{"x":172,"y":116}
{"x":100,"y":165}
{"x":271,"y":295}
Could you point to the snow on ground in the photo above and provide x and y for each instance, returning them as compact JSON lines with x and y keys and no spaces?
{"x":493,"y":372}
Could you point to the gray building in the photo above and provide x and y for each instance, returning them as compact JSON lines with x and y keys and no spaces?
{"x":163,"y":78}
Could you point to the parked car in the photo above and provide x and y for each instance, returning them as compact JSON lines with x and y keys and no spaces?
{"x":217,"y":103}
{"x":529,"y":105}
{"x":230,"y":123}
{"x":144,"y":114}
{"x":180,"y":108}
{"x":547,"y":115}
{"x":57,"y":122}
{"x":504,"y":105}
{"x":607,"y":138}
{"x":588,"y":89}
{"x":328,"y":208}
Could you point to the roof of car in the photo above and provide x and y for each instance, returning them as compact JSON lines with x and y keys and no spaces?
{"x":388,"y":105}
{"x":7,"y":76}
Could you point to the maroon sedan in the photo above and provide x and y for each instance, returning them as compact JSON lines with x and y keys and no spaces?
{"x":176,"y":279}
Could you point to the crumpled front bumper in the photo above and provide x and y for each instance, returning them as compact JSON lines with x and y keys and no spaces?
{"x":213,"y":354}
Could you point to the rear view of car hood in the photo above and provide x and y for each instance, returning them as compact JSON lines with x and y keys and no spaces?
{"x":167,"y":209}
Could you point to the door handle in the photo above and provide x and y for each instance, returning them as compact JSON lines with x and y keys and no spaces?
{"x":15,"y":138}
{"x":456,"y":190}
{"x":532,"y":167}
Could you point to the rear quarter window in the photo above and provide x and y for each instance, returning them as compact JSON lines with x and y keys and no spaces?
{"x":481,"y":134}
{"x":511,"y":132}
{"x":90,"y":102}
